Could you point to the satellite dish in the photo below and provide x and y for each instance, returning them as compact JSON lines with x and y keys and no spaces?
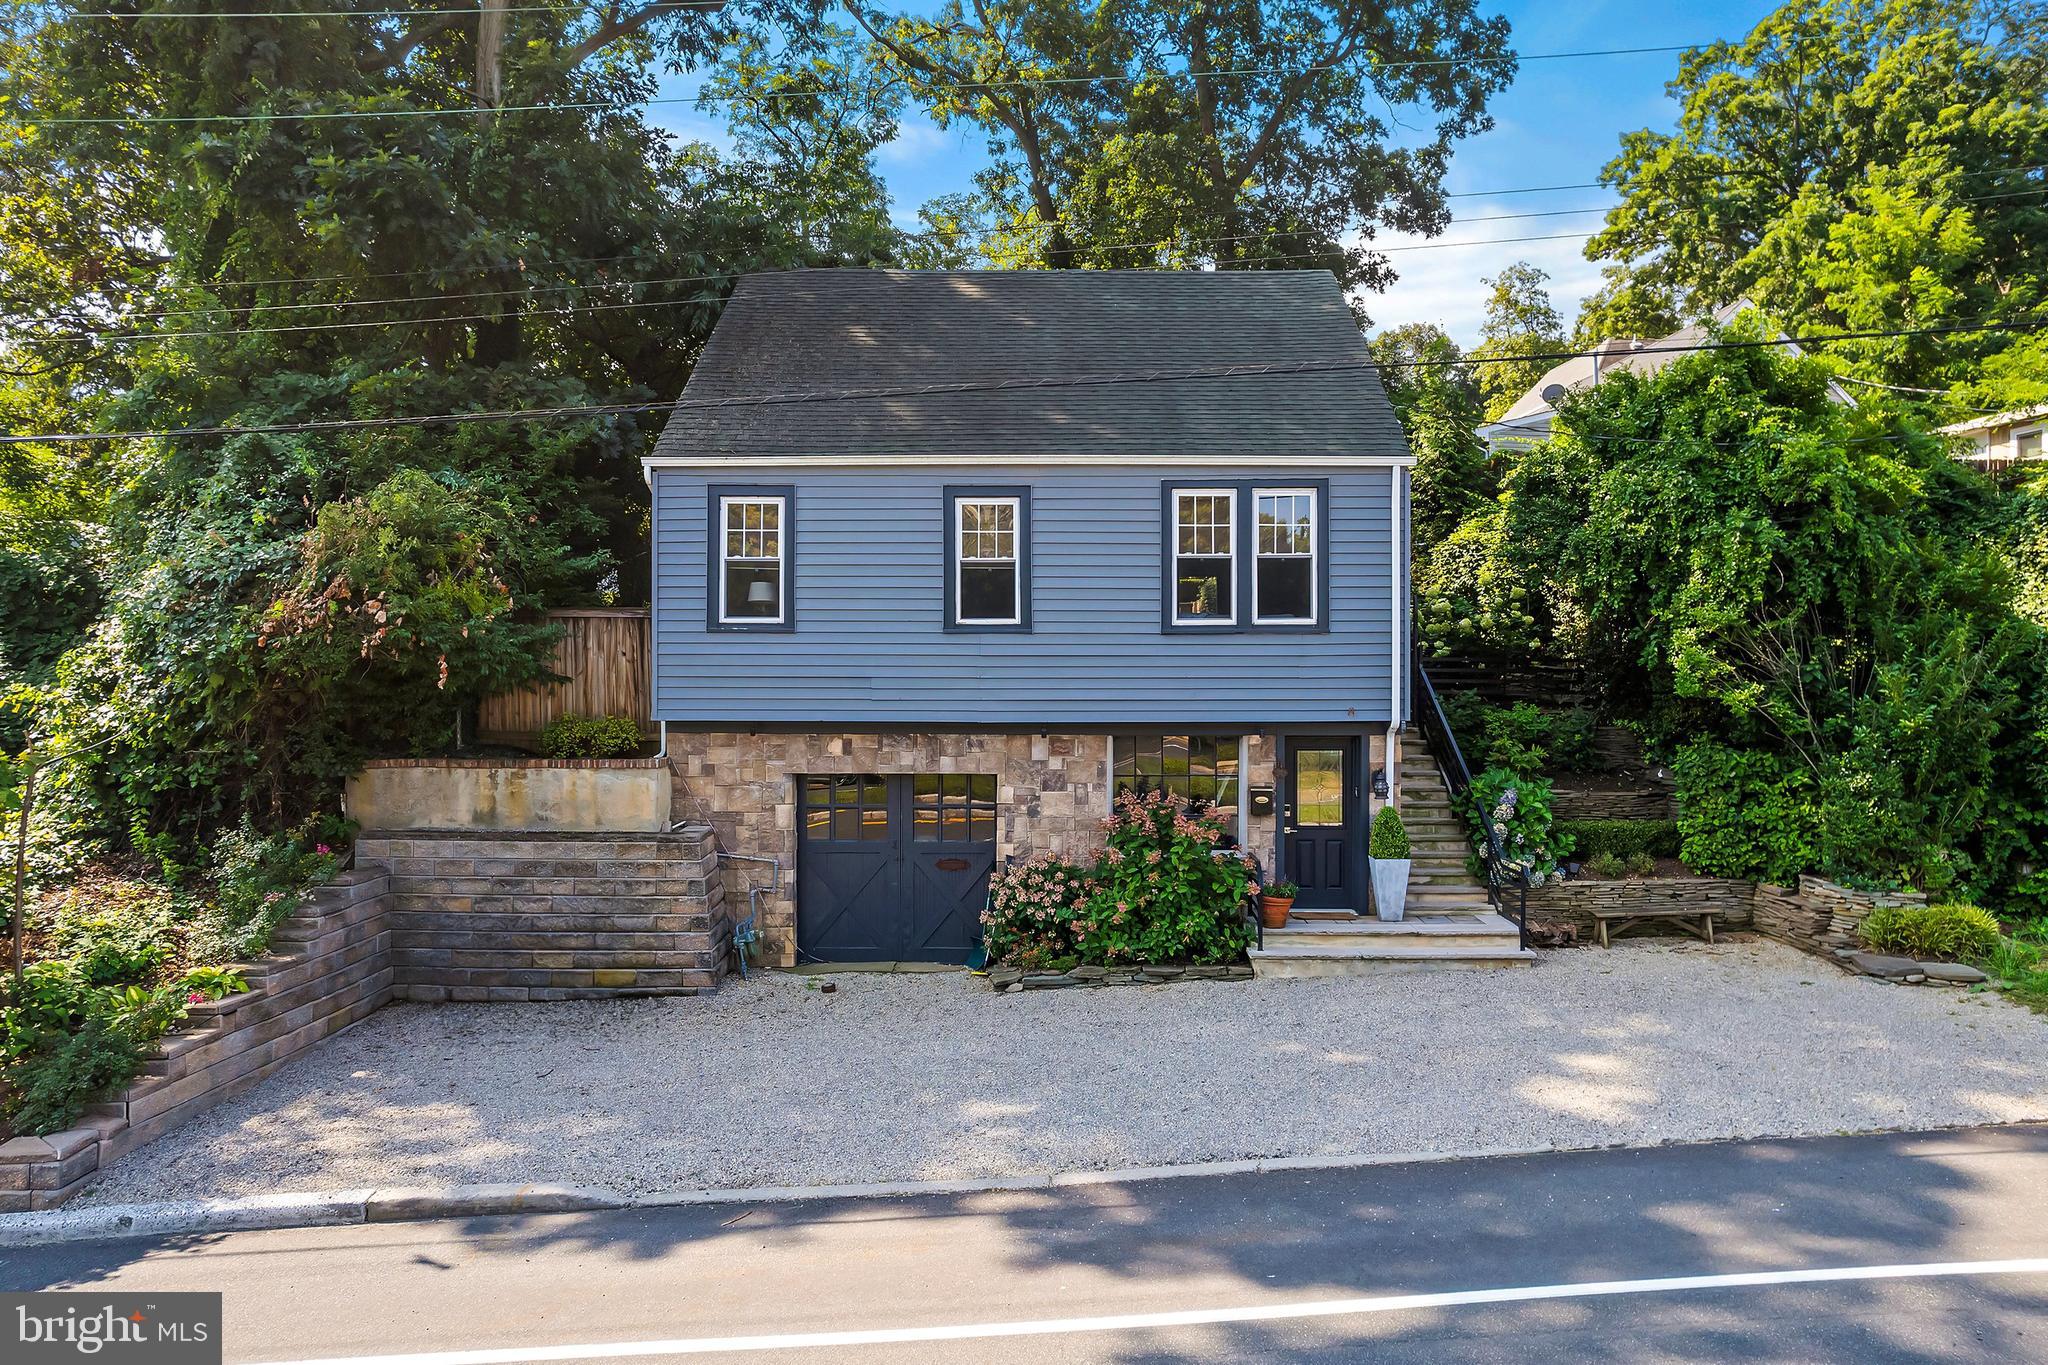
{"x":1552,"y":392}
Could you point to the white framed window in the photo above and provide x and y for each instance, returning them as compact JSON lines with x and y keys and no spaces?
{"x":2026,"y":445}
{"x":1204,"y":556}
{"x":988,"y":582}
{"x":1285,"y":572}
{"x":753,"y":560}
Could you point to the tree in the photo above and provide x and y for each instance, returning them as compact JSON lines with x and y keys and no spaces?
{"x":290,"y":270}
{"x":1438,"y":403}
{"x":1520,"y":321}
{"x":1853,"y":164}
{"x":1755,"y":565}
{"x":1258,"y":132}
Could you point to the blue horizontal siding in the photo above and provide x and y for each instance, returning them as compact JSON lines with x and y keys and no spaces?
{"x":871,"y":648}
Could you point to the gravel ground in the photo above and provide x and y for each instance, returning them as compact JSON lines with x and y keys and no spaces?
{"x":934,"y":1077}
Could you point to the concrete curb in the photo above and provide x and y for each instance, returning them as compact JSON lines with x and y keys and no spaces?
{"x":410,"y":1204}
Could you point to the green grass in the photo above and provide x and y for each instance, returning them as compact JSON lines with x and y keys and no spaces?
{"x":2019,"y":964}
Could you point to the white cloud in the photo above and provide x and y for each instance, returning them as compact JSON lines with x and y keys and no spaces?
{"x":1443,"y":282}
{"x":916,"y":141}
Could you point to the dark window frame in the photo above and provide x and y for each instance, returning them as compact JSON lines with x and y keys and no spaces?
{"x":954,"y":495}
{"x":715,"y":496}
{"x":1245,"y":570}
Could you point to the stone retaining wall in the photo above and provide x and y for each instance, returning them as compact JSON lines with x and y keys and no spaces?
{"x":476,"y":916}
{"x":1573,"y":902}
{"x":591,"y":795}
{"x":1644,"y":802}
{"x":329,"y":966}
{"x":1819,"y":916}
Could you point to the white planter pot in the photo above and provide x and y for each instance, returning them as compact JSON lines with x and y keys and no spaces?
{"x":1390,"y":887}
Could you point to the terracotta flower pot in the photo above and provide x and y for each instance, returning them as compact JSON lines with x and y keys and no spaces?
{"x":1273,"y":911}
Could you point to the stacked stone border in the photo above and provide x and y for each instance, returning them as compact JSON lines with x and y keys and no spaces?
{"x":1816,"y":916}
{"x":1018,"y":979}
{"x":329,"y":967}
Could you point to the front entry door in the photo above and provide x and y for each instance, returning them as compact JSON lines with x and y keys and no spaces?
{"x":893,"y":868}
{"x":1320,"y":823}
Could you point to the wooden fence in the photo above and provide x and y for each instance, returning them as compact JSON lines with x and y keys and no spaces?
{"x":603,"y":654}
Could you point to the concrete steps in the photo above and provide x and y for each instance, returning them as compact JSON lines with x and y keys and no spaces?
{"x":1425,"y":939}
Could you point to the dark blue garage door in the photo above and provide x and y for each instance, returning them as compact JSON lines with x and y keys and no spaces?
{"x":893,"y":868}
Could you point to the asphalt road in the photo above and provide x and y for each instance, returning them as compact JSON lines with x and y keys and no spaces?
{"x":1582,"y":1257}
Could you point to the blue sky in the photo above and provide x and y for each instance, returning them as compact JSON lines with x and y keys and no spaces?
{"x":1559,"y":123}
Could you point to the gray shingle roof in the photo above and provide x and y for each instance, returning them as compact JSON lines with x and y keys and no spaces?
{"x":814,"y":330}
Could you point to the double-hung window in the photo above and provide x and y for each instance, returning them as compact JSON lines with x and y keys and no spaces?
{"x":988,"y":559}
{"x":1204,"y":556}
{"x":1284,"y":561}
{"x":751,"y":540}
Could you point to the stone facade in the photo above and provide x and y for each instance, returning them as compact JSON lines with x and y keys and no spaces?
{"x":1054,"y":791}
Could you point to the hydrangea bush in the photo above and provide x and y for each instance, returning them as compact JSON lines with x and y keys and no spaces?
{"x":1159,"y":891}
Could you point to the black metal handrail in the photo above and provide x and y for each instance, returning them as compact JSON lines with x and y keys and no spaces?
{"x":1501,"y":873}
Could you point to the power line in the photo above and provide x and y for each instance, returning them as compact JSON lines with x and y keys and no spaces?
{"x":805,"y":396}
{"x":29,"y":118}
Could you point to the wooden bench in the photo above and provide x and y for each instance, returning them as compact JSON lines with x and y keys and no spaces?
{"x":1698,"y":923}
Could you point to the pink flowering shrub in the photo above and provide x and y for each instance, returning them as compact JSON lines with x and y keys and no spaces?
{"x":1032,"y":907}
{"x":1161,"y":892}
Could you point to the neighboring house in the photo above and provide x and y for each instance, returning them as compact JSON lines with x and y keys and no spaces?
{"x":1527,"y":423}
{"x":900,"y":637}
{"x":2003,"y":439}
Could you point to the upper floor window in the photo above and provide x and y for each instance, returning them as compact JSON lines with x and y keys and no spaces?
{"x":1204,"y":556}
{"x":988,"y":559}
{"x":1284,"y":565}
{"x":753,"y":558}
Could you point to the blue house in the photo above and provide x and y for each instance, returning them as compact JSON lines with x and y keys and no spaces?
{"x":944,"y":560}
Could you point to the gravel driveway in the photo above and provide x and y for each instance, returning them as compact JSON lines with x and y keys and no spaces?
{"x":933,"y":1077}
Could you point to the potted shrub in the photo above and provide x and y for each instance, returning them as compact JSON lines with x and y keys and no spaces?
{"x":1390,"y":864}
{"x":1275,"y":900}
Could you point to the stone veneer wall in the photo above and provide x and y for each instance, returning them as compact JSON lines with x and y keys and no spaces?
{"x":329,"y":966}
{"x":1573,"y":902}
{"x":1053,"y":790}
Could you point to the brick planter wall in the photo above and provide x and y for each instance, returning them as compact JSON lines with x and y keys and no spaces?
{"x":476,"y":916}
{"x":1574,"y":902}
{"x":329,"y":967}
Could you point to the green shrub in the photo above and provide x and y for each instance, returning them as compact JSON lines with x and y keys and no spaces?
{"x":1523,"y":737}
{"x":1389,"y":835}
{"x":1745,"y":813}
{"x":115,"y":931}
{"x":258,"y":881}
{"x":1640,"y":865}
{"x":1519,"y":809}
{"x":1622,"y":838}
{"x":590,"y":737}
{"x":1944,"y":931}
{"x":65,"y":1042}
{"x":1160,"y":893}
{"x":1606,"y":866}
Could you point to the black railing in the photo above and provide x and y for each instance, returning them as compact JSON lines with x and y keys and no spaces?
{"x":1502,"y":875}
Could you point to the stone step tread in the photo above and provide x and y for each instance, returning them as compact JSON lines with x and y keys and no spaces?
{"x":1366,"y":953}
{"x":1477,"y":922}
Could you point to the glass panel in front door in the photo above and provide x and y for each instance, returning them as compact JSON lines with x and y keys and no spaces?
{"x":1319,"y":786}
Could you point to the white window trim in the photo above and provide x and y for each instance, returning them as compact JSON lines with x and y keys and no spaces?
{"x":1015,"y":561}
{"x":781,"y":561}
{"x":1175,"y":557}
{"x":1315,"y":558}
{"x":2012,"y":442}
{"x":1244,"y":790}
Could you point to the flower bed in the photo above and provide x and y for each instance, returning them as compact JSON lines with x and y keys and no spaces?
{"x":1161,"y":894}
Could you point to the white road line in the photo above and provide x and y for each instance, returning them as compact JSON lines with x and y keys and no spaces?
{"x":1193,"y":1317}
